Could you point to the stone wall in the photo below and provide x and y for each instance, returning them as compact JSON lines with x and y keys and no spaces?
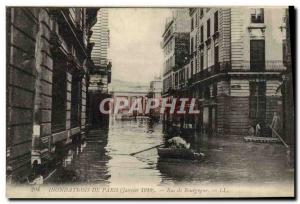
{"x":31,"y":54}
{"x":43,"y":101}
{"x":22,"y":27}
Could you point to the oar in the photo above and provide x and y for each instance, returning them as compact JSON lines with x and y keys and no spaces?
{"x":146,"y":149}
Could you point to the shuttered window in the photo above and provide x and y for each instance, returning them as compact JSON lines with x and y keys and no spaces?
{"x":208,"y":28}
{"x":201,"y":34}
{"x":216,"y":21}
{"x":257,"y":55}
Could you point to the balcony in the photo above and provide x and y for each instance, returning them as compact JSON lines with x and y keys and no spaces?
{"x":258,"y":66}
{"x":239,"y":67}
{"x":210,"y":71}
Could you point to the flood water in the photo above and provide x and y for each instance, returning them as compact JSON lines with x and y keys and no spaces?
{"x":103,"y":158}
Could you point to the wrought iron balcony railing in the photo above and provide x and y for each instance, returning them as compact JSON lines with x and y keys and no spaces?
{"x":258,"y":66}
{"x":239,"y":66}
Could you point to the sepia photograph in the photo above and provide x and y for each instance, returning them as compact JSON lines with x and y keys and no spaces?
{"x":150,"y":102}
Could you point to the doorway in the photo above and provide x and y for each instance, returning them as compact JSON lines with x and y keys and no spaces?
{"x":258,"y":103}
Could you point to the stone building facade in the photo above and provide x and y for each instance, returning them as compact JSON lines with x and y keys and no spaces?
{"x":235,"y":70}
{"x":48,"y":57}
{"x":101,"y":39}
{"x":241,"y":64}
{"x":175,"y":45}
{"x":100,"y":75}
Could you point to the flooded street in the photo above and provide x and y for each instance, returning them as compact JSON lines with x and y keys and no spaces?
{"x":103,"y":158}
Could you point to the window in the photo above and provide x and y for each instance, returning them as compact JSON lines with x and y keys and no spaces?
{"x":192,"y":67}
{"x":257,"y":55}
{"x":192,"y":45}
{"x":216,"y":55}
{"x":208,"y":28}
{"x":257,"y":15}
{"x":72,"y":13}
{"x":59,"y":94}
{"x":206,"y":93}
{"x":216,"y":21}
{"x":209,"y":57}
{"x":201,"y":61}
{"x":285,"y":52}
{"x":201,"y":34}
{"x":180,"y":76}
{"x":201,"y":13}
{"x":176,"y":79}
{"x":187,"y":73}
{"x":192,"y":23}
{"x":75,"y":101}
{"x":215,"y":90}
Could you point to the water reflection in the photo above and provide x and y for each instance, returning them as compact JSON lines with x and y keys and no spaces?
{"x":126,"y":137}
{"x":104,"y":158}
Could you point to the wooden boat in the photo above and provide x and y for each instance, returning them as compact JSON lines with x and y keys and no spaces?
{"x":179,"y":153}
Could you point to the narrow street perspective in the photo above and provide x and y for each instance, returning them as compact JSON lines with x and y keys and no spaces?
{"x":151,"y":97}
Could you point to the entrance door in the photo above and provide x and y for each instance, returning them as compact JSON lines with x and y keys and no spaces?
{"x":261,"y":103}
{"x":258,"y":103}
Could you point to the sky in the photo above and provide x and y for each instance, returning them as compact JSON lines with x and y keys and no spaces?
{"x":135,"y":36}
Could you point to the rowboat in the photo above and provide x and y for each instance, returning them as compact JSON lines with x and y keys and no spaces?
{"x":179,"y":153}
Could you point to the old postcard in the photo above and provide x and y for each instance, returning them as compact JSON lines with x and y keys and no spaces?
{"x":191,"y":102}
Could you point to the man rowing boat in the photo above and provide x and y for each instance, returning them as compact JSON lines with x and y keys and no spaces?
{"x":178,"y":142}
